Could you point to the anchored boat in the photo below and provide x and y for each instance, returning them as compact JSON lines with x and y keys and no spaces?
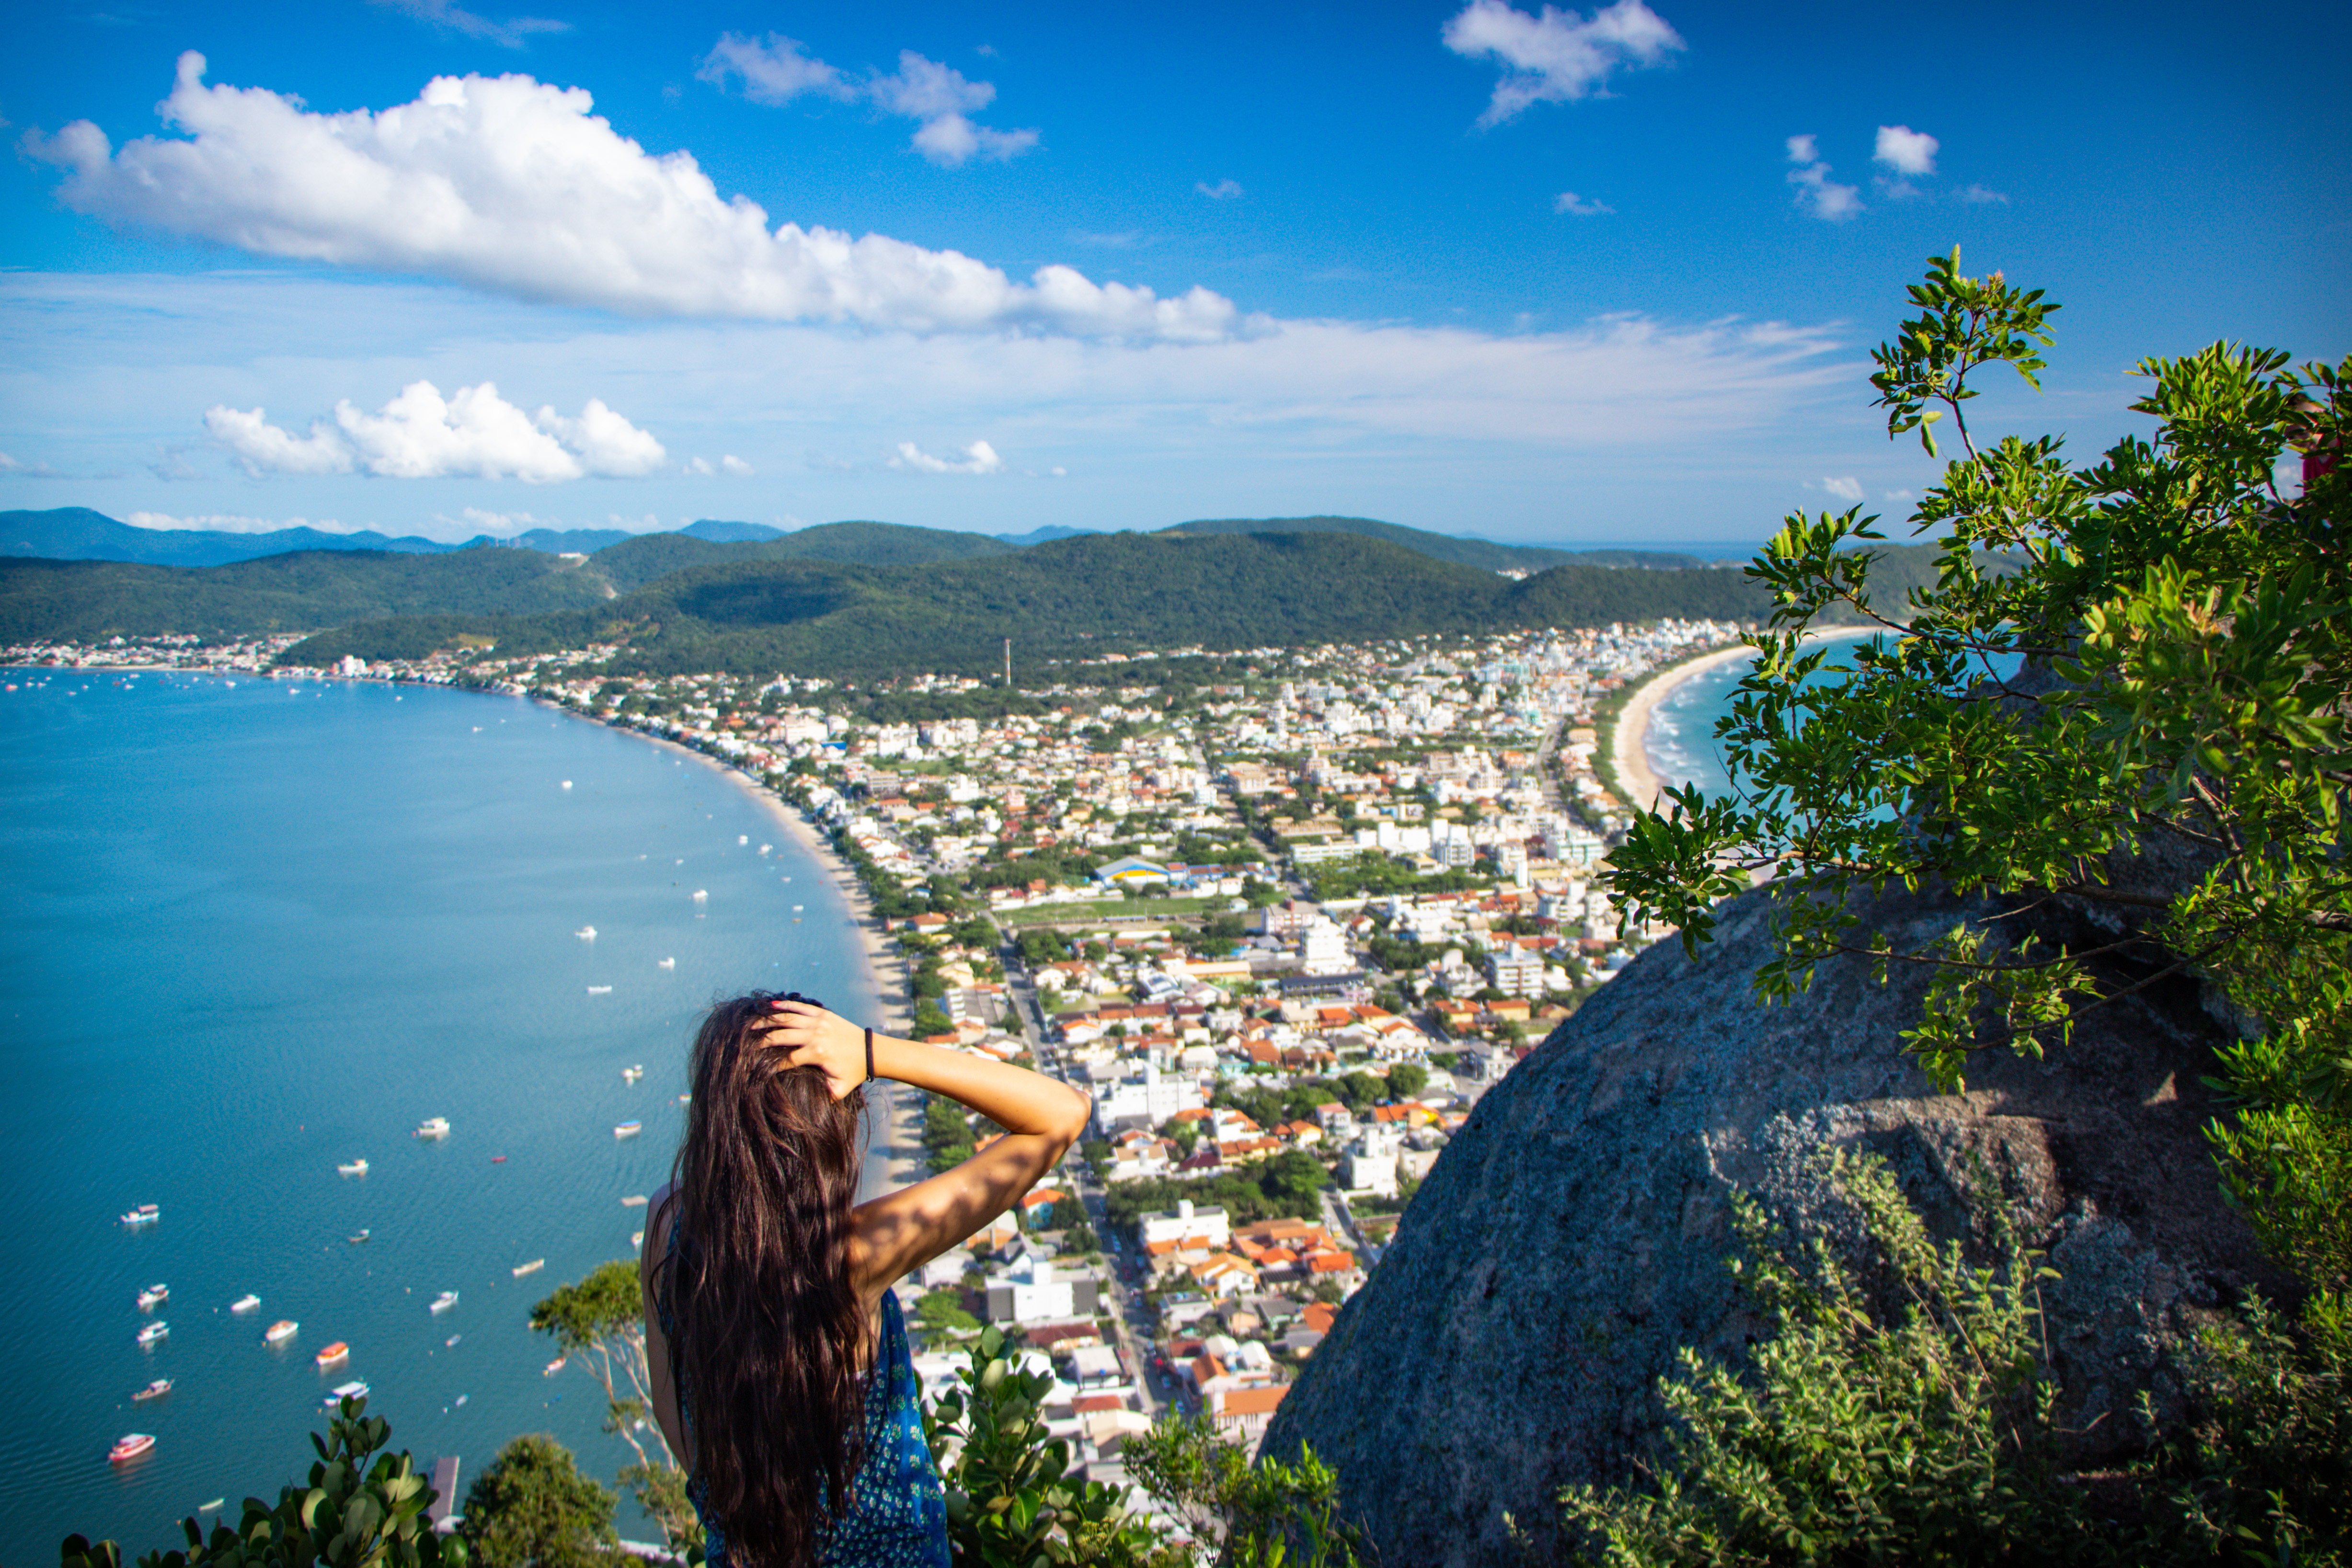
{"x":279,"y":1332}
{"x":129,"y":1447}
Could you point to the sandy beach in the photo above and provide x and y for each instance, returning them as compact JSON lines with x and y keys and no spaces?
{"x":1629,"y":746}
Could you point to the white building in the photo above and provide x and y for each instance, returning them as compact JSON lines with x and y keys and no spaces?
{"x":1188,"y":1227}
{"x":1369,"y":1168}
{"x":1514,"y":971}
{"x":1144,"y":1101}
{"x":1323,"y":949}
{"x":1033,"y":1291}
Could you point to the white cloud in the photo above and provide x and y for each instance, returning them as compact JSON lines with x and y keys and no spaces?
{"x":734,"y":466}
{"x":1978,"y":193}
{"x":1846,"y":488}
{"x":1816,"y":192}
{"x":1559,"y":56}
{"x":979,"y":457}
{"x":774,"y":72}
{"x":502,"y":525}
{"x":1223,"y":191}
{"x":1906,"y":151}
{"x":1570,"y":202}
{"x":419,"y":435}
{"x":510,"y":185}
{"x":780,"y":70}
{"x":513,"y":33}
{"x":231,"y":523}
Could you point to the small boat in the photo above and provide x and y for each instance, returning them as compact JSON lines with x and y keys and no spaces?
{"x":342,"y":1391}
{"x":586,"y":934}
{"x":599,"y":990}
{"x":279,"y":1332}
{"x":334,"y":1353}
{"x":765,"y":848}
{"x":666,"y":964}
{"x":498,"y":1159}
{"x":553,"y":1367}
{"x":219,"y":1503}
{"x":635,"y":1200}
{"x":360,"y":1237}
{"x":155,"y":1390}
{"x":245,"y":1303}
{"x":356,"y":1167}
{"x":533,"y":1267}
{"x":450,"y":1344}
{"x":433,"y":1127}
{"x":796,"y":909}
{"x":637,"y":1239}
{"x":152,"y":1297}
{"x":444,"y":1302}
{"x":701,"y":895}
{"x":463,"y":1397}
{"x":628,"y":1129}
{"x":129,"y":1447}
{"x":742,"y":838}
{"x":631,"y":1074}
{"x":145,"y":1214}
{"x":686,"y":1099}
{"x":153,"y":1332}
{"x":567,"y":783}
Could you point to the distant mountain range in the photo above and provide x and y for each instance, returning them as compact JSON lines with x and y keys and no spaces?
{"x":856,"y":599}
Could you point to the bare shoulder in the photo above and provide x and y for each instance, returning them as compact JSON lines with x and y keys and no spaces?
{"x":659,"y":1220}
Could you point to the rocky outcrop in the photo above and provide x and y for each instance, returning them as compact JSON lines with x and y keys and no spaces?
{"x":1574,"y":1234}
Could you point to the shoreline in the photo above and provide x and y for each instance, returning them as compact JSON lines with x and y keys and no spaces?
{"x":1629,"y":744}
{"x":894,"y":1153}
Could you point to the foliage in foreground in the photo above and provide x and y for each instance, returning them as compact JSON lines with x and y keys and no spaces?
{"x":532,"y":1508}
{"x":1012,"y":1503}
{"x":599,"y":1325}
{"x":1930,"y":1433}
{"x":2172,"y":754}
{"x":352,"y":1514}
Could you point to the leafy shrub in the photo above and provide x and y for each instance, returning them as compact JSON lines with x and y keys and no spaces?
{"x":532,"y":1507}
{"x":1266,"y":1514}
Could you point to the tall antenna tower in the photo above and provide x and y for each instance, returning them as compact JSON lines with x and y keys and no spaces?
{"x":1008,"y":663}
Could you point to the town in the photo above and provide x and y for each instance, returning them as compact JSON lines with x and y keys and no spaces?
{"x":1285,"y":915}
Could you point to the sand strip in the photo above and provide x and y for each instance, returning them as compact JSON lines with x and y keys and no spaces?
{"x":1630,"y":744}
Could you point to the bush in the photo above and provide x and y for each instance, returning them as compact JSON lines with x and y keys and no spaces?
{"x":1264,"y":1515}
{"x":532,"y":1508}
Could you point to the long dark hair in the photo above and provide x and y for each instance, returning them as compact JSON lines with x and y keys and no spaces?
{"x":771,"y":1337}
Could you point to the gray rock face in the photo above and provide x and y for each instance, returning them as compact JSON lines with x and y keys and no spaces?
{"x":1574,"y":1234}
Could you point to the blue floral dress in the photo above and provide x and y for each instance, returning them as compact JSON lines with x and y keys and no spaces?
{"x":897,"y":1515}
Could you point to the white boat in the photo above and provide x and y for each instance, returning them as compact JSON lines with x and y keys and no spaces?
{"x":533,"y":1267}
{"x":553,"y":1367}
{"x":152,"y":1297}
{"x":433,"y":1127}
{"x":219,"y":1503}
{"x":356,"y":1167}
{"x":444,"y":1302}
{"x":155,"y":1390}
{"x":631,"y":1074}
{"x":586,"y":934}
{"x":567,"y":783}
{"x":130,"y":1446}
{"x":153,"y":1332}
{"x":342,"y":1391}
{"x":796,"y":909}
{"x":245,"y":1303}
{"x":145,"y":1214}
{"x":637,"y":1239}
{"x":628,"y":1129}
{"x":742,"y":838}
{"x":766,"y":847}
{"x":666,"y":964}
{"x":634,"y":1200}
{"x":280,"y":1332}
{"x":701,"y":894}
{"x":451,"y":1343}
{"x":599,"y":990}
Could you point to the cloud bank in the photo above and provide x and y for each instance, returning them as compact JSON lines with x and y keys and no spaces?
{"x":510,"y":185}
{"x":779,"y":69}
{"x":1558,"y":55}
{"x":979,"y":457}
{"x":475,"y":434}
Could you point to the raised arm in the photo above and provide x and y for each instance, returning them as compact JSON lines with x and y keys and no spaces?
{"x":907,"y":1228}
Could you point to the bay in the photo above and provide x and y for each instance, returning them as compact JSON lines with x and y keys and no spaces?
{"x":254,"y":929}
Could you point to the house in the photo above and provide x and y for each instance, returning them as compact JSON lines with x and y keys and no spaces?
{"x":1241,"y":1415}
{"x":1131,"y":871}
{"x":1187,"y":1225}
{"x":1033,"y":1291}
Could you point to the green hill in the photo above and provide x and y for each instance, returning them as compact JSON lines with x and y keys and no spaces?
{"x":648,"y":558}
{"x":86,"y":600}
{"x":1462,"y":551}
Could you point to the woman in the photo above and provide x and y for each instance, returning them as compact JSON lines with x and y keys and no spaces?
{"x":780,"y":1374}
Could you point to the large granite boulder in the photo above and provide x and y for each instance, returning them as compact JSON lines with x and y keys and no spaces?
{"x":1574,"y":1234}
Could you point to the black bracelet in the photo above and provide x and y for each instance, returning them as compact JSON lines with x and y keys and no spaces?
{"x":870,"y":1056}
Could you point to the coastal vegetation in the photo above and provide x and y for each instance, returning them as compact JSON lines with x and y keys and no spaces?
{"x":2171,"y":758}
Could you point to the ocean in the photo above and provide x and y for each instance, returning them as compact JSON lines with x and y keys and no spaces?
{"x":255,"y":929}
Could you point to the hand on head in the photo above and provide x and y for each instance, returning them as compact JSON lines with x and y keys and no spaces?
{"x":807,"y":1034}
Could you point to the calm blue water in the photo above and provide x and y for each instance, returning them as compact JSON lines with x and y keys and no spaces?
{"x":251,"y":931}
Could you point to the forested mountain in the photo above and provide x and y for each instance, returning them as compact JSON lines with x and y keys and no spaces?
{"x":1483,"y":553}
{"x":647,"y":558}
{"x":83,"y":601}
{"x":77,"y":533}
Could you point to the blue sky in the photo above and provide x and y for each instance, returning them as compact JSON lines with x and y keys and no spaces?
{"x":1606,"y":276}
